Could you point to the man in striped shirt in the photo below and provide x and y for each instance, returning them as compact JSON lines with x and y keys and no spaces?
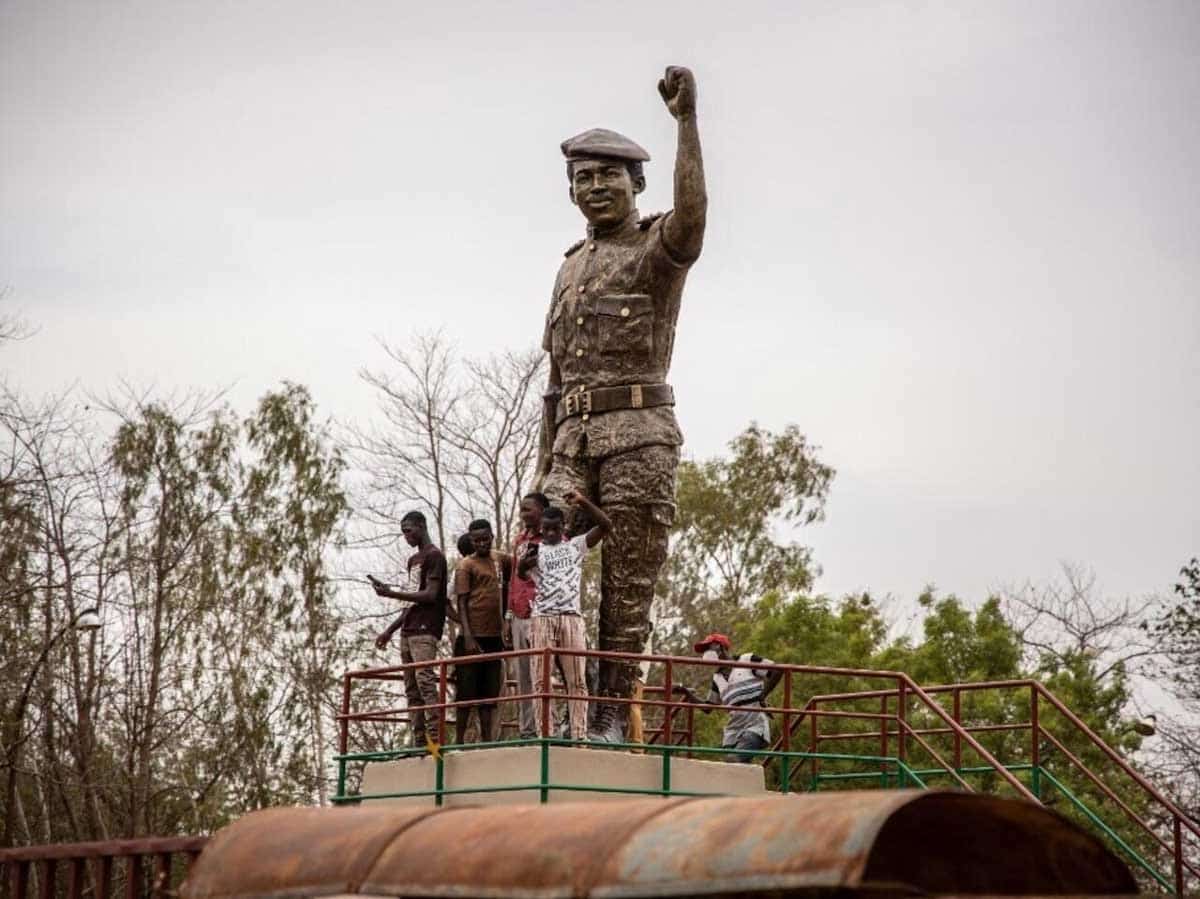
{"x":746,"y":687}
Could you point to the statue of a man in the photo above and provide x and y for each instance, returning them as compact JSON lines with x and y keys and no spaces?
{"x":609,"y":428}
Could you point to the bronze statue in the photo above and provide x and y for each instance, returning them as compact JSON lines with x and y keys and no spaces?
{"x":609,"y":428}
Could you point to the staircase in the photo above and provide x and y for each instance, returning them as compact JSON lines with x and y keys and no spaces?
{"x":935,"y":736}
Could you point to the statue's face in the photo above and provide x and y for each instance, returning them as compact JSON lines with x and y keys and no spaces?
{"x":604,"y":190}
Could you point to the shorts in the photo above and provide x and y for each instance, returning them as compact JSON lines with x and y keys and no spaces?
{"x":478,"y":680}
{"x":746,"y":740}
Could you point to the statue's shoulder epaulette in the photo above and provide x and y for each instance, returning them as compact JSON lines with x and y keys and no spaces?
{"x":647,"y":221}
{"x":575,"y":246}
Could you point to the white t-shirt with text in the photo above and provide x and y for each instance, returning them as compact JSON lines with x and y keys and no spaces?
{"x":557,"y":577}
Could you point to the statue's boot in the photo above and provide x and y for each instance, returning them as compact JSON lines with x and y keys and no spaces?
{"x":610,"y":724}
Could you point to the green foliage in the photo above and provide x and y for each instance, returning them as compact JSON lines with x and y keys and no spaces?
{"x":724,"y":552}
{"x":957,"y":644}
{"x":1178,"y":628}
{"x":205,"y":542}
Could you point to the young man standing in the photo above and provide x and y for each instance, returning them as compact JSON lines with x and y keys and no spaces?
{"x":556,"y":567}
{"x":421,"y":624}
{"x":518,"y":627}
{"x":749,"y":687}
{"x":481,"y":585}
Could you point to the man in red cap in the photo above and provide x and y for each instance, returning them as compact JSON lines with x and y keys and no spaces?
{"x":747,"y":730}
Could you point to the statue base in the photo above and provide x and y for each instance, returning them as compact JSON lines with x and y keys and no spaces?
{"x":520,"y":775}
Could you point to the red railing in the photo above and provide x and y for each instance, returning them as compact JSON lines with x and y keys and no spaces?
{"x":909,"y":723}
{"x":1037,"y":699}
{"x":676,"y":716}
{"x":148,"y":867}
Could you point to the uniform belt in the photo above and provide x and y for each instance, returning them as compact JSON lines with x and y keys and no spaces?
{"x":610,"y":399}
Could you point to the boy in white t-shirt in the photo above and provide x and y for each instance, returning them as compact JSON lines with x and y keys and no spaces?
{"x":556,"y":567}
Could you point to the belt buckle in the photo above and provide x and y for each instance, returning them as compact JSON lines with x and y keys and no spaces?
{"x":578,"y":402}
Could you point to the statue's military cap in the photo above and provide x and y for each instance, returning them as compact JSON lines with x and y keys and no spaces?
{"x":603,"y":143}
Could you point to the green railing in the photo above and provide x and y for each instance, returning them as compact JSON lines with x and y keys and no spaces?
{"x":1111,"y":834}
{"x":901,"y":774}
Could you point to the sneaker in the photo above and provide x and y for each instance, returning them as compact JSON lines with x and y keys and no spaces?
{"x":609,"y":726}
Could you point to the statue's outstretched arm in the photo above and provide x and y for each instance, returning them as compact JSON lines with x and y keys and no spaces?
{"x":684,"y":228}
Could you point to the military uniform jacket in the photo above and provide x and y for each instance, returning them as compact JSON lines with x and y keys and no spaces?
{"x":611,"y":323}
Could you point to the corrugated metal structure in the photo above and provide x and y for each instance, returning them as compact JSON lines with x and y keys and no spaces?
{"x":868,"y":843}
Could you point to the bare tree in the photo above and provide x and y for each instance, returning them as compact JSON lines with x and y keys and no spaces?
{"x":203,"y":540}
{"x":406,"y":458}
{"x":12,"y":325}
{"x":1069,"y":618}
{"x":57,"y":544}
{"x":458,"y":438}
{"x":494,"y":427}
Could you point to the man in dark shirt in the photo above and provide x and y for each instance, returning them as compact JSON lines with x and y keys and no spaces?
{"x":421,"y":624}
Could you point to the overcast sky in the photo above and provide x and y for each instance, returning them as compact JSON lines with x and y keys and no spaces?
{"x":957,"y":244}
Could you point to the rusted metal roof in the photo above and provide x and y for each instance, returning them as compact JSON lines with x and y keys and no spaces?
{"x":885,"y":842}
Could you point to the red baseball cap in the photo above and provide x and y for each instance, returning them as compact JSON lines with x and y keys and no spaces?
{"x":712,"y":638}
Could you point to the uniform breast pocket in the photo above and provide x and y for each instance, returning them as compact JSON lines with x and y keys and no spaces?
{"x":626,"y":323}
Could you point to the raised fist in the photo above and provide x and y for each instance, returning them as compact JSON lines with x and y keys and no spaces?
{"x":678,"y":90}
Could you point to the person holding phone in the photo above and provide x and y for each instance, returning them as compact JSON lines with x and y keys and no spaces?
{"x":422,"y":622}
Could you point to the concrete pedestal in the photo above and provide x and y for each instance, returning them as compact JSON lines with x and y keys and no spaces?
{"x":570,"y":768}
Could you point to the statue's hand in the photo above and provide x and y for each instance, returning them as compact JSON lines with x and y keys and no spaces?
{"x":678,"y":90}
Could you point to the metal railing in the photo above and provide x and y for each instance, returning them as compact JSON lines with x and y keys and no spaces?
{"x":676,"y":717}
{"x":147,"y":867}
{"x":1042,"y":742}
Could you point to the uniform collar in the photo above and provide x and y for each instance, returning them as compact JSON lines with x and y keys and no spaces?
{"x":622,"y":229}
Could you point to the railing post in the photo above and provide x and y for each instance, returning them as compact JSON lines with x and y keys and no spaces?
{"x":343,"y":734}
{"x":883,"y":740}
{"x":691,"y":730}
{"x":104,"y":886}
{"x":75,"y":878}
{"x":1035,"y":739}
{"x":20,"y":879}
{"x":812,"y":748}
{"x":669,"y":709}
{"x":46,"y":888}
{"x":133,"y":877}
{"x":439,"y":779}
{"x":1178,"y":856}
{"x":442,"y":692}
{"x":957,"y":734}
{"x":785,"y":764}
{"x":901,"y":718}
{"x":545,"y":698}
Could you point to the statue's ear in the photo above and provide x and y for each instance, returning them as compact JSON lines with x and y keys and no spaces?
{"x":639,"y":184}
{"x":571,"y":194}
